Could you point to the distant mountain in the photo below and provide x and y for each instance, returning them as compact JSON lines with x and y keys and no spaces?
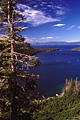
{"x":56,"y":43}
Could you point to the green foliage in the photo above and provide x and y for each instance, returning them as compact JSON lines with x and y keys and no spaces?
{"x":15,"y":84}
{"x":58,"y":108}
{"x":34,"y":62}
{"x":77,"y":49}
{"x":32,"y":51}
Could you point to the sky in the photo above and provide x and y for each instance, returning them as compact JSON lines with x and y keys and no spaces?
{"x":50,"y":20}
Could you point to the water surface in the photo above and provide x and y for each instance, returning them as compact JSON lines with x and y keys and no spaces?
{"x":55,"y":67}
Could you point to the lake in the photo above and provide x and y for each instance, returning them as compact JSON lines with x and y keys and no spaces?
{"x":55,"y":67}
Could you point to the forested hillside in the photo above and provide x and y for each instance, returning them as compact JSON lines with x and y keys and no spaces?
{"x":66,"y":106}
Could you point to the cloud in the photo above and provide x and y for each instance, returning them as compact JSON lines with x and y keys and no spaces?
{"x":78,"y":26}
{"x":71,"y":27}
{"x":43,"y":38}
{"x":71,"y":41}
{"x":24,"y":28}
{"x":49,"y":6}
{"x":59,"y":7}
{"x":28,"y":39}
{"x":41,"y":12}
{"x":49,"y":37}
{"x":59,"y":25}
{"x":34,"y":17}
{"x":60,"y":12}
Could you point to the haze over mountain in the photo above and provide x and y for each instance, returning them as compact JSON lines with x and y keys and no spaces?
{"x":57,"y":43}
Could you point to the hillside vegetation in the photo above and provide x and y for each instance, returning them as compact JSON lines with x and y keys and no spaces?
{"x":66,"y":107}
{"x":77,"y":49}
{"x":29,"y":50}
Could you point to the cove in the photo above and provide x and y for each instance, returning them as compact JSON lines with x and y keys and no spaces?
{"x":55,"y":67}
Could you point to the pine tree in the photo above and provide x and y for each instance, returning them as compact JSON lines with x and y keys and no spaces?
{"x":14,"y":97}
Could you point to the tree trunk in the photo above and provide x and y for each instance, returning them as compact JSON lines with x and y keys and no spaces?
{"x":13,"y":85}
{"x":14,"y":115}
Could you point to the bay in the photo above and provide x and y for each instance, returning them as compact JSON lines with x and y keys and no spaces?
{"x":55,"y":67}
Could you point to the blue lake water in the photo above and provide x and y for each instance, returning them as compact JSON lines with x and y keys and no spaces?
{"x":55,"y":67}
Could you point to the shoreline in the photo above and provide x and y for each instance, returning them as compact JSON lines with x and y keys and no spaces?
{"x":43,"y":98}
{"x":76,"y":49}
{"x":36,"y":61}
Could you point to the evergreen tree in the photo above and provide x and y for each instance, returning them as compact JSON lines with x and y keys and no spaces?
{"x":14,"y":97}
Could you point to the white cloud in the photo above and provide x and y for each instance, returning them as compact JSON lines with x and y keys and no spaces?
{"x":24,"y":28}
{"x":21,"y":6}
{"x":59,"y":7}
{"x":59,"y":25}
{"x":35,"y":17}
{"x":71,"y":41}
{"x":37,"y":40}
{"x":28,"y":39}
{"x":35,"y":6}
{"x":60,"y":12}
{"x":49,"y":37}
{"x":43,"y":38}
{"x":71,"y":27}
{"x":78,"y":26}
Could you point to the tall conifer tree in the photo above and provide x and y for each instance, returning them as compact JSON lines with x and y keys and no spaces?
{"x":14,"y":97}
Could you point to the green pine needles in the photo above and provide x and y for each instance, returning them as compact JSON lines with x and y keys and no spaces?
{"x":14,"y":96}
{"x":63,"y":107}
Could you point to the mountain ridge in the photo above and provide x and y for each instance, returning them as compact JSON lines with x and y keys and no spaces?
{"x":56,"y":43}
